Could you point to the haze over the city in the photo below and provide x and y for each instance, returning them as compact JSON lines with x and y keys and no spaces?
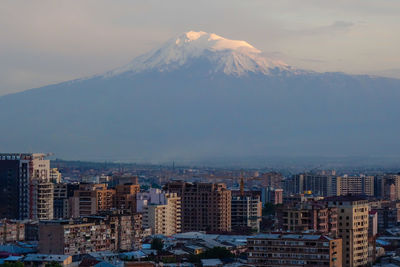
{"x":45,"y":42}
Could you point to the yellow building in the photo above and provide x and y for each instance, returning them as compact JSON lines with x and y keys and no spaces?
{"x":164,"y":218}
{"x":55,"y":175}
{"x":352,"y":228}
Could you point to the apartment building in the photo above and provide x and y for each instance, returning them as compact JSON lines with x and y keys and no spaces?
{"x":27,"y":192}
{"x":352,"y":228}
{"x":11,"y":231}
{"x":62,"y":193}
{"x":125,"y":197}
{"x":318,"y":184}
{"x":55,"y":176}
{"x":272,"y":179}
{"x":113,"y":232}
{"x":355,"y":185}
{"x":387,"y":186}
{"x":90,"y":199}
{"x":271,"y":195}
{"x":205,"y":206}
{"x":280,"y":249}
{"x":308,"y":216}
{"x":246,"y":211}
{"x":163,"y":217}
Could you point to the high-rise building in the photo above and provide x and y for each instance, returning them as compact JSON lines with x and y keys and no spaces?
{"x":388,"y":213}
{"x":372,"y":233}
{"x":306,"y":216}
{"x":272,"y":179}
{"x":27,"y":192}
{"x":125,"y":197}
{"x":90,"y":199}
{"x":296,"y":250}
{"x":55,"y":175}
{"x":352,"y":228}
{"x":271,"y":195}
{"x":62,"y":193}
{"x":246,"y":210}
{"x":387,"y":186}
{"x":355,"y":185}
{"x":163,"y":215}
{"x":205,"y":206}
{"x":318,"y":184}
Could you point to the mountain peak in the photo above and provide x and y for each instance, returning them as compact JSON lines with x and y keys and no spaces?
{"x":212,"y":41}
{"x":232,"y":57}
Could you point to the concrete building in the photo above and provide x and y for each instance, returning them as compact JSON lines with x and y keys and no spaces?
{"x":123,"y":179}
{"x":27,"y":192}
{"x":205,"y":206}
{"x":294,"y":250}
{"x":387,"y":186}
{"x":355,"y":185}
{"x":11,"y":231}
{"x":246,"y":211}
{"x":271,"y":195}
{"x":125,"y":197}
{"x":112,"y":232}
{"x":272,"y":179}
{"x":372,"y":223}
{"x":55,"y":176}
{"x":318,"y":184}
{"x":388,"y":214}
{"x":89,"y":199}
{"x":352,"y":228}
{"x":316,"y":217}
{"x":163,"y":216}
{"x":62,"y":193}
{"x":372,"y":234}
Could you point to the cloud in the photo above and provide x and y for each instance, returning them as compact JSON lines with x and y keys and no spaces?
{"x":335,"y":27}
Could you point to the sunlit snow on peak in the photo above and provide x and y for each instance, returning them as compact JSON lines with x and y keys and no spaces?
{"x":232,"y":57}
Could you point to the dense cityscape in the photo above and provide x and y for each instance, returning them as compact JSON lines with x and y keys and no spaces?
{"x":64,"y":213}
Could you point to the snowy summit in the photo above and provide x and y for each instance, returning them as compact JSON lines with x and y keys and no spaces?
{"x":232,"y":57}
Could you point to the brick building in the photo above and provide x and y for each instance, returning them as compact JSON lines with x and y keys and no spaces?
{"x":205,"y":206}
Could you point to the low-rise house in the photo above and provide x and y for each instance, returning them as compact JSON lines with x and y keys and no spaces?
{"x":39,"y":260}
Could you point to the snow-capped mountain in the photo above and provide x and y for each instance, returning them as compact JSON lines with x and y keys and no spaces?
{"x":231,"y":57}
{"x":201,"y":96}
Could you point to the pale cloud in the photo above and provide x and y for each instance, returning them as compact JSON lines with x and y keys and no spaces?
{"x":47,"y":41}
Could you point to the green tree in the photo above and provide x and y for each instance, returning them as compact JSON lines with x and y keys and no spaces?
{"x":216,"y":252}
{"x":53,"y":264}
{"x":12,"y":264}
{"x":157,"y":244}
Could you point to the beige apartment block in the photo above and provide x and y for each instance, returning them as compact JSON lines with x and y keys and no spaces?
{"x":165,"y":218}
{"x":352,"y":228}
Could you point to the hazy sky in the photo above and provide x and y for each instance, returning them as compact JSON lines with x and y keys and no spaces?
{"x":43,"y":42}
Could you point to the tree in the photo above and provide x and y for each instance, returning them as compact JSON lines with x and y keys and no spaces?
{"x":12,"y":264}
{"x":216,"y":252}
{"x":157,"y":244}
{"x":53,"y":264}
{"x":269,"y":209}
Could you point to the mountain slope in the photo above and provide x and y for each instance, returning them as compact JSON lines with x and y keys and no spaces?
{"x":231,"y":57}
{"x":196,"y":110}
